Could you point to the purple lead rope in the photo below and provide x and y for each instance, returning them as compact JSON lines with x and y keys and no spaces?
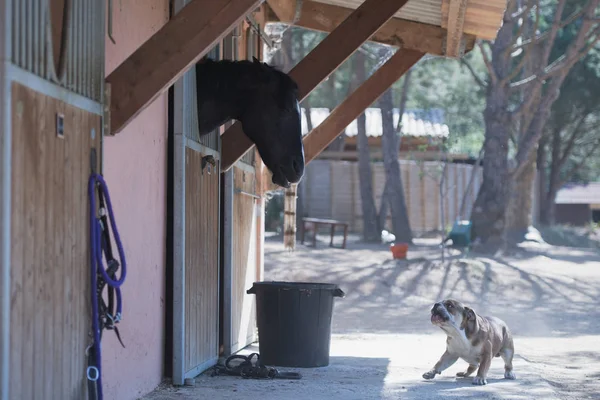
{"x":94,"y":372}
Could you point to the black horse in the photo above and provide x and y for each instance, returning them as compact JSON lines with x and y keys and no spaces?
{"x":265,"y":101}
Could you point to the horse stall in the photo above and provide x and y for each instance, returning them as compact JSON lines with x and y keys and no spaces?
{"x":215,"y":237}
{"x":51,"y":86}
{"x":196,"y":235}
{"x":241,"y":215}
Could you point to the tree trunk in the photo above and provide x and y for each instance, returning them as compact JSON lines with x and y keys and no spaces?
{"x":395,"y":190}
{"x":383,"y":208}
{"x":519,"y":216}
{"x":490,"y":205}
{"x":370,"y":232}
{"x":542,"y":161}
{"x":463,"y":204}
{"x":548,"y":211}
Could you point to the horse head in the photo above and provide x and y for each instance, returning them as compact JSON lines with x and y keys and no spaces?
{"x":271,"y":120}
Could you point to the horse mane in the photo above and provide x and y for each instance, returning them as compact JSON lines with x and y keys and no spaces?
{"x":255,"y":75}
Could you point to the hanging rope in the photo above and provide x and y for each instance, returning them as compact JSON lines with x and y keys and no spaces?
{"x":289,"y":218}
{"x":104,"y":316}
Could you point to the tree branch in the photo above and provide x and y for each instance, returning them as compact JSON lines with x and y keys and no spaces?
{"x":488,"y":63}
{"x":577,"y":131}
{"x":403,"y":101}
{"x":463,"y":205}
{"x":528,"y":52}
{"x":580,"y":164}
{"x":570,"y":19}
{"x":560,"y":63}
{"x":474,"y":73}
{"x":573,"y":54}
{"x":513,"y":45}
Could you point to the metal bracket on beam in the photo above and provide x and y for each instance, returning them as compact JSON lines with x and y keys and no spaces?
{"x":106,"y":110}
{"x":254,"y":26}
{"x":240,"y":191}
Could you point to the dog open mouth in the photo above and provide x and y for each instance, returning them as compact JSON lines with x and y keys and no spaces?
{"x":437,"y":319}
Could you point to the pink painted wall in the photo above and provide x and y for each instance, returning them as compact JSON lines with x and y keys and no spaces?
{"x":135,"y":168}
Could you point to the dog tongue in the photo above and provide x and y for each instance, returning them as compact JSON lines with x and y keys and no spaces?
{"x":435,"y":318}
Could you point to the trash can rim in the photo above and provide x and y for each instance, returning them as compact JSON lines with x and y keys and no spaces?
{"x":295,"y":285}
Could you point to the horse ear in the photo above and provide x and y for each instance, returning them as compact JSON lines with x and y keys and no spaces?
{"x":256,"y":61}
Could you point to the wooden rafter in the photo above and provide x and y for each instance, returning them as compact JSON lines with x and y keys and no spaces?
{"x":169,"y":53}
{"x":483,"y":18}
{"x":456,"y":21}
{"x":396,"y":32}
{"x":320,"y":62}
{"x":381,"y":80}
{"x":286,"y":10}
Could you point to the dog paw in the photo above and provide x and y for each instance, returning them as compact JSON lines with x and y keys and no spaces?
{"x":429,"y":374}
{"x":509,"y":375}
{"x":461,"y":375}
{"x":479,"y":381}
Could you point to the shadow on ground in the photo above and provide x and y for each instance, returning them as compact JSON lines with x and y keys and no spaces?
{"x":355,"y":378}
{"x":535,"y":291}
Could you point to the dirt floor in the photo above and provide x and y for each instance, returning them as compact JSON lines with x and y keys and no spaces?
{"x":383,"y":341}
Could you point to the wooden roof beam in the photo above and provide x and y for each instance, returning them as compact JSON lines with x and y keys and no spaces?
{"x":457,"y":10}
{"x":169,"y":53}
{"x":320,"y":137}
{"x":285,"y":10}
{"x":352,"y":32}
{"x":396,"y":32}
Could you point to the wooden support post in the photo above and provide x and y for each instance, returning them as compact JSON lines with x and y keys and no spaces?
{"x":412,"y":35}
{"x":456,"y":21}
{"x":320,"y":137}
{"x":319,"y":63}
{"x":169,"y":53}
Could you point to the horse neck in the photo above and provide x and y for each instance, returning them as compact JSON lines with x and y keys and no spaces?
{"x":218,"y":90}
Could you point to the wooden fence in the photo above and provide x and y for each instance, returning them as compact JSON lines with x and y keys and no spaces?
{"x":331,"y":189}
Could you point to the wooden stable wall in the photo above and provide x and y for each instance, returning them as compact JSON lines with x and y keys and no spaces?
{"x":331,"y":189}
{"x":50,"y":246}
{"x":243,"y":268}
{"x":245,"y":271}
{"x":201,"y":261}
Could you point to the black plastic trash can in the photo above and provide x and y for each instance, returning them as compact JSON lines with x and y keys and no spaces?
{"x":294,"y":322}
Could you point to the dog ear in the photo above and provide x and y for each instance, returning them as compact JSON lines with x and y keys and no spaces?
{"x":468,"y":315}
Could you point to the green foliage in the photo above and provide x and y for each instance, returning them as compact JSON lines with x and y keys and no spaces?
{"x":437,"y":83}
{"x":579,"y":97}
{"x":274,"y":209}
{"x":447,"y":84}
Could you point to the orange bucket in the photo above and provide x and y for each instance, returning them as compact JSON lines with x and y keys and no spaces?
{"x":399,"y":250}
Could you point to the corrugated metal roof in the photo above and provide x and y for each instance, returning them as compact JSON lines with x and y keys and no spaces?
{"x":574,"y":193}
{"x":425,"y":11}
{"x":414,"y":122}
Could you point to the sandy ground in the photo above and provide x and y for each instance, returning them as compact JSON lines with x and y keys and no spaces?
{"x":383,"y":341}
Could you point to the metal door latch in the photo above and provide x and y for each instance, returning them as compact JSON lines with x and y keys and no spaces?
{"x":209,"y":159}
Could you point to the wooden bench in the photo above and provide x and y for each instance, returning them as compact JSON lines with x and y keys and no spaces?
{"x":312,"y":224}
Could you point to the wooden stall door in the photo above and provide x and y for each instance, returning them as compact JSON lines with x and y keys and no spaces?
{"x":50,"y":247}
{"x":243,"y":324}
{"x":201,"y":263}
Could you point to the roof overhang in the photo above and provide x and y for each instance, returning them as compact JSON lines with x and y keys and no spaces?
{"x":439,"y":27}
